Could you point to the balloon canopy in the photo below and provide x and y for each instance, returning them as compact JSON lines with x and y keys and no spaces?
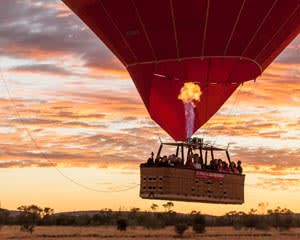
{"x":217,"y":44}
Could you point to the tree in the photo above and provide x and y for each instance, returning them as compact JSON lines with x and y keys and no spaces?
{"x":154,"y":207}
{"x":194,"y":212}
{"x":250,"y":220}
{"x":281,"y":218}
{"x":48,"y":211}
{"x":48,"y":216}
{"x":133,"y":212}
{"x":168,"y":206}
{"x":29,"y":216}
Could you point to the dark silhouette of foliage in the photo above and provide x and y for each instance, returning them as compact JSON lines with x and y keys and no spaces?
{"x":154,"y":207}
{"x":47,"y":217}
{"x":3,"y":216}
{"x":122,"y":224}
{"x":29,"y":217}
{"x":83,"y":220}
{"x":151,"y":221}
{"x":102,"y":218}
{"x":281,"y":218}
{"x":168,"y":206}
{"x":65,"y":220}
{"x":198,"y":223}
{"x":180,"y":228}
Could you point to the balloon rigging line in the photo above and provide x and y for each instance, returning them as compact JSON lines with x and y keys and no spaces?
{"x":233,"y":108}
{"x":45,"y":156}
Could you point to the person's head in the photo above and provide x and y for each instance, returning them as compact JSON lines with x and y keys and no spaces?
{"x":239,"y":162}
{"x":152,"y":154}
{"x":219,"y":161}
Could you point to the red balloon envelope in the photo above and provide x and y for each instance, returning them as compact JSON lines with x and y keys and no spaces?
{"x":217,"y":44}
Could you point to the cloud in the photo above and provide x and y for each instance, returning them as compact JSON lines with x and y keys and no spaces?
{"x":25,"y":163}
{"x":36,"y":31}
{"x":42,"y":68}
{"x":278,"y":183}
{"x":291,"y":54}
{"x":268,"y":160}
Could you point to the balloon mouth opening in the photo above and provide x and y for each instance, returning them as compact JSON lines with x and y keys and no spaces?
{"x":190,"y":94}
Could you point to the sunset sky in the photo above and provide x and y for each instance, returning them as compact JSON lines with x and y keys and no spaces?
{"x":70,"y":112}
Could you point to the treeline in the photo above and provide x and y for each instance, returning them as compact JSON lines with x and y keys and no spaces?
{"x":46,"y":217}
{"x":279,"y":218}
{"x":30,"y":216}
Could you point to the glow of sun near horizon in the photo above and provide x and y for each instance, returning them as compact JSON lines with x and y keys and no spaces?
{"x":69,"y":108}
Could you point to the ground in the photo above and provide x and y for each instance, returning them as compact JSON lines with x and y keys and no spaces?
{"x":93,"y":233}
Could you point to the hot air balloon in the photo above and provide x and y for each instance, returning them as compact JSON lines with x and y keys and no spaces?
{"x":215,"y":44}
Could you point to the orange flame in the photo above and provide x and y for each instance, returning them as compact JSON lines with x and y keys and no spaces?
{"x":189,"y":93}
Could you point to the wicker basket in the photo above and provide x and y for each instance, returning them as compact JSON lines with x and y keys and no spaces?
{"x":183,"y":184}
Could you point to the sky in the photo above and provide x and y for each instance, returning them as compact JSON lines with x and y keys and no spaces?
{"x":70,"y":112}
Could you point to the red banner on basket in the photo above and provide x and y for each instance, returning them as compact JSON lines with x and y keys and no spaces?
{"x":208,"y":175}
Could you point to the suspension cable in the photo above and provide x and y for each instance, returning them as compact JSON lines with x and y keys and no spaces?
{"x":44,"y":156}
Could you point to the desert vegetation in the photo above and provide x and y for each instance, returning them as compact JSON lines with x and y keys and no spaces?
{"x":29,"y":218}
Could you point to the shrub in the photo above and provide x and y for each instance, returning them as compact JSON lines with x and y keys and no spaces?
{"x":262,"y":225}
{"x":152,"y":222}
{"x":122,"y":224}
{"x":4,"y":214}
{"x":180,"y":228}
{"x":237,"y":226}
{"x":285,"y":223}
{"x":250,"y":221}
{"x":27,"y":227}
{"x":199,"y":223}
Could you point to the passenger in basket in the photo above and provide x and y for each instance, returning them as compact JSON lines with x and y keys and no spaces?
{"x":239,"y":167}
{"x":233,"y":168}
{"x":150,"y":160}
{"x":157,"y":160}
{"x":213,"y":165}
{"x":165,"y":161}
{"x":178,"y":162}
{"x":171,"y":160}
{"x":189,"y":162}
{"x":220,"y":167}
{"x":197,"y":163}
{"x":225,"y":167}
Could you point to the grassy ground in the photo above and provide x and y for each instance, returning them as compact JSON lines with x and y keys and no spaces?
{"x":93,"y":233}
